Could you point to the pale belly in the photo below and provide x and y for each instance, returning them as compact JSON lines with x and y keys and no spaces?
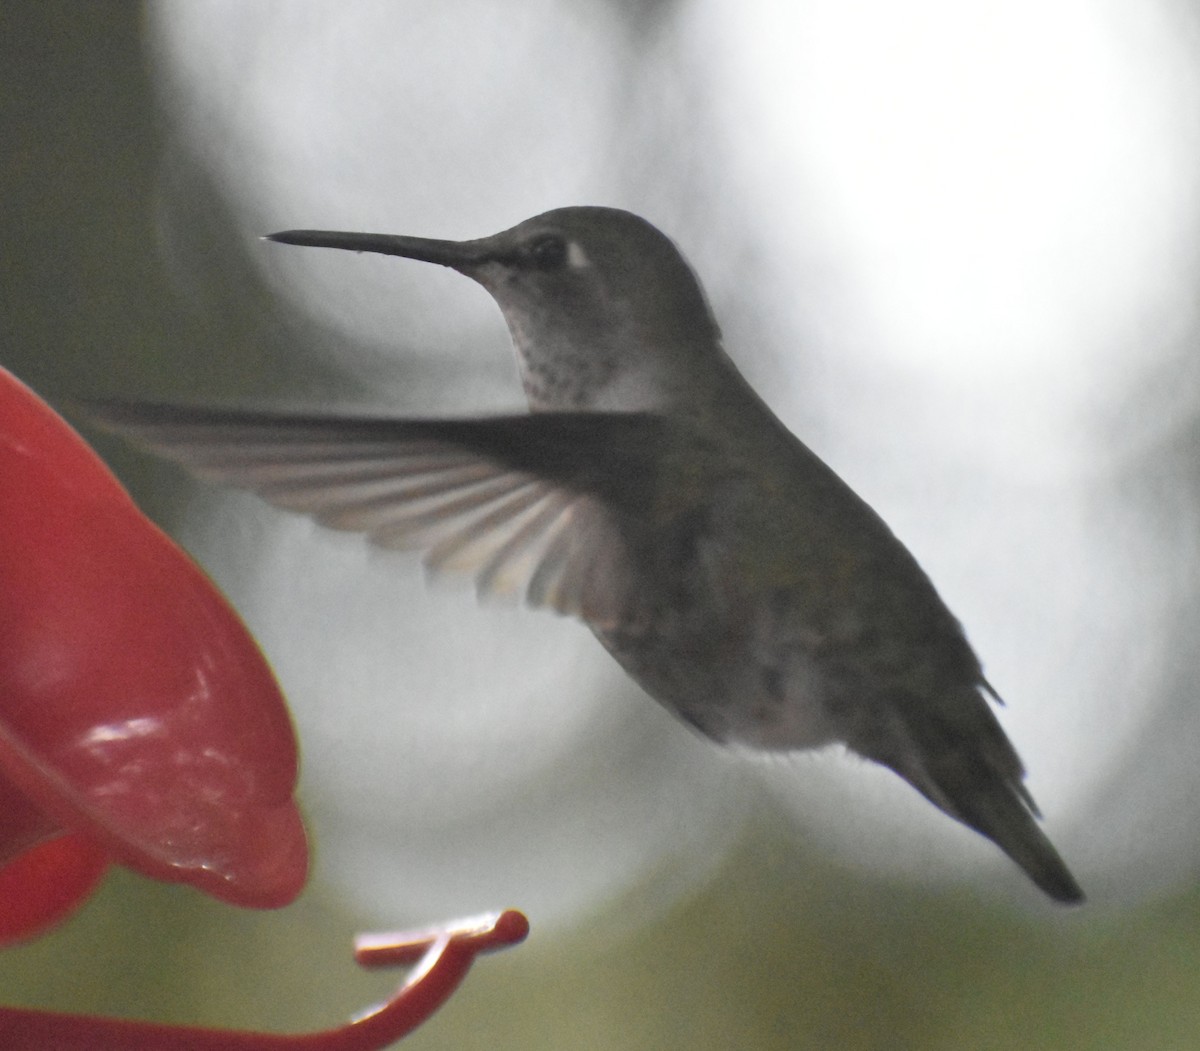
{"x":734,"y":687}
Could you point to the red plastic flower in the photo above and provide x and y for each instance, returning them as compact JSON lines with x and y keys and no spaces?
{"x":139,"y":723}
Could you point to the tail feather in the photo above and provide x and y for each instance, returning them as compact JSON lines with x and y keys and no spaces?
{"x":998,"y":812}
{"x":967,"y":767}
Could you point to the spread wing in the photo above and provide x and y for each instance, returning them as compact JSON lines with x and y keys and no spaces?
{"x":529,"y":503}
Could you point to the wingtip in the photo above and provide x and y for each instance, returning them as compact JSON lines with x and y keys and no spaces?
{"x":114,"y":414}
{"x":102,"y":413}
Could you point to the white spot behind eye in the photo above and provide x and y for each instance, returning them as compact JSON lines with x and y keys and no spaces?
{"x":576,"y":257}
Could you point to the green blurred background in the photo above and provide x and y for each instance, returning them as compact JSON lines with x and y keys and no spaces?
{"x":779,"y":949}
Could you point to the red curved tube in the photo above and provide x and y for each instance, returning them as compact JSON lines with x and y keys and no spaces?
{"x":443,"y":956}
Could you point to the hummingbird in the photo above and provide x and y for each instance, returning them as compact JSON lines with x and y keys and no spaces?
{"x":651,"y":493}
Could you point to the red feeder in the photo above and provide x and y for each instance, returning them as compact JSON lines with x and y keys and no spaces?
{"x":139,"y":723}
{"x":442,"y":957}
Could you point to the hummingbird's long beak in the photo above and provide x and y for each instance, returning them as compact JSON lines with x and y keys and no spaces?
{"x":458,"y":255}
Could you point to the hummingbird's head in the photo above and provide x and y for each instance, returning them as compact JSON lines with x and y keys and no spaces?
{"x":604,"y":311}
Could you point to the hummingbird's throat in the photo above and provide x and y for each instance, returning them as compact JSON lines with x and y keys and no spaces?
{"x":563,"y":381}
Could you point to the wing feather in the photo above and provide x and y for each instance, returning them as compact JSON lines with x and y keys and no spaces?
{"x":527,"y":504}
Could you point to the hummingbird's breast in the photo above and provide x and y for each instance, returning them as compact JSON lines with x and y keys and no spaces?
{"x":777,"y":605}
{"x":727,"y":636}
{"x":736,"y":680}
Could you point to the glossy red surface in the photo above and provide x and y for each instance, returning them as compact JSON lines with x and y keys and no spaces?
{"x":442,"y":957}
{"x":134,"y":706}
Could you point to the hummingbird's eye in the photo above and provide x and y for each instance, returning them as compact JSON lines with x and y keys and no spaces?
{"x":547,"y":252}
